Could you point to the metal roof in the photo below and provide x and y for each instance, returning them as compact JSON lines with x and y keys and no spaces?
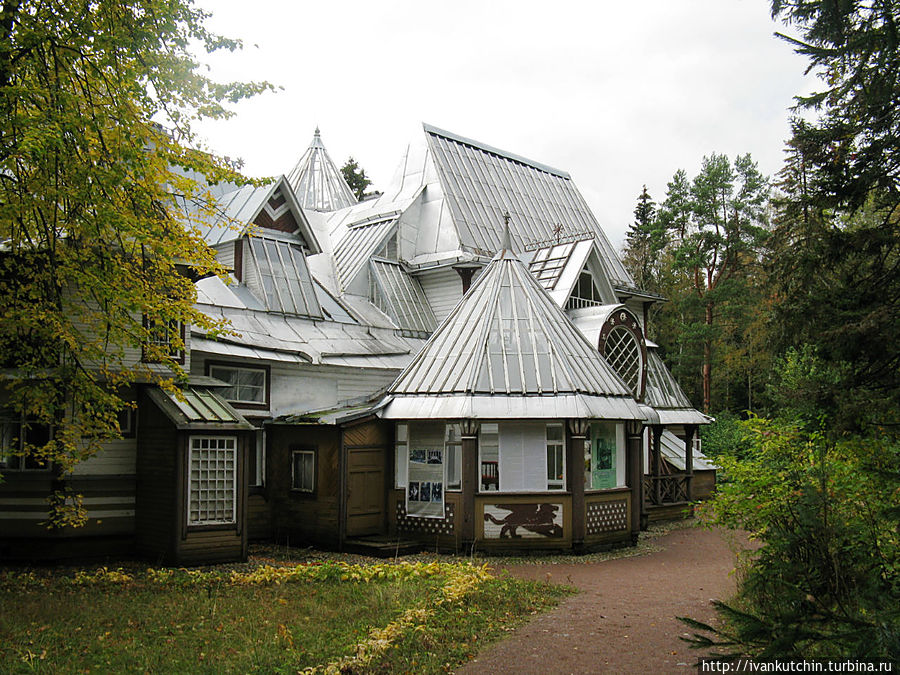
{"x":286,"y":283}
{"x":198,"y":408}
{"x":480,"y":183}
{"x":665,"y":395}
{"x":229,"y":218}
{"x":507,"y":340}
{"x":672,"y":448}
{"x":401,"y":297}
{"x":361,"y":241}
{"x":317,"y":182}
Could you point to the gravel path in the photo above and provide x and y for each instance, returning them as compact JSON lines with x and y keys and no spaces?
{"x":623,"y":619}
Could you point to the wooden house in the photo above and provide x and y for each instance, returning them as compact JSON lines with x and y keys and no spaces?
{"x":388,"y":378}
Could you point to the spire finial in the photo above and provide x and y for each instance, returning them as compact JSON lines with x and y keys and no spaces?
{"x":505,"y":241}
{"x":317,"y":131}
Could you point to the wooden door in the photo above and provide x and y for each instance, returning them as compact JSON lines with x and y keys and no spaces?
{"x":366,"y":492}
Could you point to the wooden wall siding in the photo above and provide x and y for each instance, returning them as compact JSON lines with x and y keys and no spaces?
{"x":443,"y":289}
{"x":259,"y":518}
{"x":563,"y":542}
{"x":355,"y":382}
{"x":277,"y":215}
{"x":23,"y":504}
{"x":374,"y":433}
{"x":207,"y":547}
{"x":225,"y":253}
{"x":703,"y":484}
{"x":117,"y":458}
{"x":156,"y":519}
{"x":301,"y":518}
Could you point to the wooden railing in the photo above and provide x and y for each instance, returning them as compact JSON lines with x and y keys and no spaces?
{"x":661,"y":490}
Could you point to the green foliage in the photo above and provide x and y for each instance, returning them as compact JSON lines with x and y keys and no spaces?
{"x":727,"y":436}
{"x":356,"y":178}
{"x":826,"y":580}
{"x":99,"y":251}
{"x":645,"y":240}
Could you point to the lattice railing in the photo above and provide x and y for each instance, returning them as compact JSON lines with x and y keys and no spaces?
{"x":661,"y":490}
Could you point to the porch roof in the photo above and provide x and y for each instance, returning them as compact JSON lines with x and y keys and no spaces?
{"x":198,"y":408}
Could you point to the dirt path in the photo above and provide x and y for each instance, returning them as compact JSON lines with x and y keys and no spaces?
{"x":623,"y":620}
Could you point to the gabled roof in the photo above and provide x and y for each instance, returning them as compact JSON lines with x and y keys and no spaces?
{"x":481,"y":183}
{"x":507,"y":341}
{"x":316,"y":181}
{"x":360,"y":243}
{"x":272,"y":205}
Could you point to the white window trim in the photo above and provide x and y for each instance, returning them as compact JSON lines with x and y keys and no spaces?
{"x":303,"y":451}
{"x":234,"y":485}
{"x":562,"y":444}
{"x":265,"y":385}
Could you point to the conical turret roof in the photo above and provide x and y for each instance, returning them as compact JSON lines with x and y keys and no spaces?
{"x":507,"y":351}
{"x":317,"y":182}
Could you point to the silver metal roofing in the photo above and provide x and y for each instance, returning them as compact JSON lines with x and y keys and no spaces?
{"x":236,"y":210}
{"x":361,"y":241}
{"x":286,"y":283}
{"x":665,"y":395}
{"x":507,"y":350}
{"x":277,"y":336}
{"x":481,"y":183}
{"x":672,"y":448}
{"x":558,"y":266}
{"x":198,"y":408}
{"x":317,"y":182}
{"x":401,"y":297}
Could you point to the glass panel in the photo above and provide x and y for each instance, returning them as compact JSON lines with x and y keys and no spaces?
{"x":603,"y":456}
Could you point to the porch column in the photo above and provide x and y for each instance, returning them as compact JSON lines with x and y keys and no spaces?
{"x":470,"y":477}
{"x":579,"y":431}
{"x":656,"y":463}
{"x":689,"y":433}
{"x":634,"y":474}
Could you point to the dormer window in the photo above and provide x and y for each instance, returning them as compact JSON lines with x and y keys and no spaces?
{"x":585,"y":293}
{"x":622,"y":345}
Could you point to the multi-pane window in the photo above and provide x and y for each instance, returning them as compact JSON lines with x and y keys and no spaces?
{"x":548,"y":264}
{"x":163,"y":339}
{"x":212,"y":484}
{"x":248,"y":385}
{"x":15,"y":439}
{"x":489,"y":451}
{"x":286,"y":283}
{"x":556,"y":477}
{"x":303,"y":470}
{"x":623,"y":353}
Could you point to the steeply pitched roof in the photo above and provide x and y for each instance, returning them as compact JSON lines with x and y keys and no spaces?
{"x":401,"y":297}
{"x":317,"y":182}
{"x":507,"y":340}
{"x":666,"y":396}
{"x":481,"y":183}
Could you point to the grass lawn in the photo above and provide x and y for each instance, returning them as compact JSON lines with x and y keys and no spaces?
{"x":407,"y":617}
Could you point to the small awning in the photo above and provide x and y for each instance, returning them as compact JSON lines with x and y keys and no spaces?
{"x":198,"y":408}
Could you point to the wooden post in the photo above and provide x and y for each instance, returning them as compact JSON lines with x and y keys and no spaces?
{"x":634,"y":475}
{"x":577,"y":434}
{"x":656,"y":463}
{"x":465,"y":274}
{"x":470,"y":478}
{"x":690,"y":430}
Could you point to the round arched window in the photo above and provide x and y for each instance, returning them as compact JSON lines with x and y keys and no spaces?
{"x":622,"y":345}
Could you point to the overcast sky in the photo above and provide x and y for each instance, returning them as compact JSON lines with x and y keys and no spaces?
{"x":617,"y":94}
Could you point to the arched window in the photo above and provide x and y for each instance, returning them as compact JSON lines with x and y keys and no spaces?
{"x":622,"y":345}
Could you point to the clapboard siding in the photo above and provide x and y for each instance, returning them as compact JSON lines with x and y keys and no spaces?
{"x":356,"y":382}
{"x":157,"y":451}
{"x":117,"y":457}
{"x":259,"y":517}
{"x":443,"y":289}
{"x":304,"y":518}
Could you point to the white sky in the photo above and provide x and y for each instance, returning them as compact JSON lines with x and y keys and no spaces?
{"x":617,"y":94}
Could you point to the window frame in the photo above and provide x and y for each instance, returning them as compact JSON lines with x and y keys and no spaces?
{"x":245,"y":405}
{"x":175,"y":354}
{"x":314,"y":453}
{"x":10,"y":455}
{"x":235,"y":487}
{"x":561,"y":444}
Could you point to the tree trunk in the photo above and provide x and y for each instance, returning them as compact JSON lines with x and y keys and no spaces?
{"x":707,"y":361}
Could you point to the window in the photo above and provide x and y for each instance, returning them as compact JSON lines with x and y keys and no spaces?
{"x":286,"y":283}
{"x":585,"y":293}
{"x":604,"y":456}
{"x":426,"y":470}
{"x":15,"y":438}
{"x":621,"y":343}
{"x":489,"y":451}
{"x":303,"y":470}
{"x":453,"y":455}
{"x":164,"y":339}
{"x":257,"y":463}
{"x":429,"y":434}
{"x":401,"y":456}
{"x":556,"y":474}
{"x":212,"y":485}
{"x":248,"y":386}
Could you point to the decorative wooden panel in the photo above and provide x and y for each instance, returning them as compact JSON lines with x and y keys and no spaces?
{"x":607,"y":517}
{"x":425,"y":525}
